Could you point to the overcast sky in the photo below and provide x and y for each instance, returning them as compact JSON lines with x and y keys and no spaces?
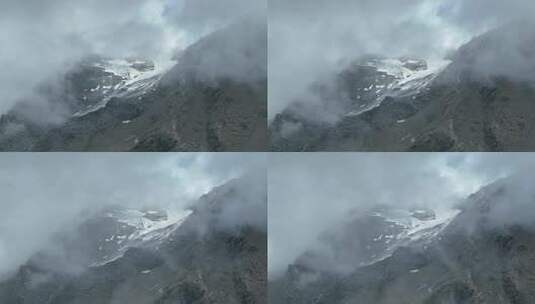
{"x":43,"y":193}
{"x":42,"y":39}
{"x":310,"y":40}
{"x":309,"y":193}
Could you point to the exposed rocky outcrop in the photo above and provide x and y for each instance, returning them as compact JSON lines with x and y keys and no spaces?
{"x":128,"y":256}
{"x":482,"y":101}
{"x":480,"y":256}
{"x":213,"y":99}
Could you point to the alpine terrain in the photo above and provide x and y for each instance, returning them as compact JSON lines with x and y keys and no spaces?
{"x":482,"y":252}
{"x":480,"y":98}
{"x":213,"y":98}
{"x":215,"y":252}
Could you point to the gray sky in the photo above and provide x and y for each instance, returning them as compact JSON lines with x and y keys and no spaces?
{"x":44,"y":193}
{"x":309,"y":193}
{"x":42,"y":39}
{"x":310,"y":40}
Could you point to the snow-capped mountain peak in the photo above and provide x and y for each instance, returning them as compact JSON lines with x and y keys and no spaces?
{"x":124,"y":78}
{"x":396,"y":77}
{"x":152,"y":224}
{"x":416,"y":227}
{"x":420,"y":224}
{"x":367,"y":238}
{"x":127,"y":228}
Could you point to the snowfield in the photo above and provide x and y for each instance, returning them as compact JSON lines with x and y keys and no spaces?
{"x":144,"y":232}
{"x":413,"y":230}
{"x":136,"y":82}
{"x":408,"y":82}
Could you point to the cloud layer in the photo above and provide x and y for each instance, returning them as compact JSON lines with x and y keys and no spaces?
{"x":311,"y":193}
{"x":42,"y":40}
{"x":45,"y":193}
{"x":311,"y":41}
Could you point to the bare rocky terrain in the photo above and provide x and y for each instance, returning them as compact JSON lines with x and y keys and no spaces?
{"x":479,"y":99}
{"x":148,"y":256}
{"x":127,"y":105}
{"x":477,"y":254}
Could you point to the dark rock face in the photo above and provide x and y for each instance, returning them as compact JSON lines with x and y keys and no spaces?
{"x":194,"y":262}
{"x":157,"y":215}
{"x":483,"y":101}
{"x":414,"y":64}
{"x":204,"y":103}
{"x":475,"y":259}
{"x":424,"y":214}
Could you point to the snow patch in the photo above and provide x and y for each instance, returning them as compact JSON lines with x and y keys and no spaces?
{"x":412,"y":230}
{"x":407,"y":81}
{"x":416,"y":229}
{"x":135,"y":83}
{"x":145,"y":230}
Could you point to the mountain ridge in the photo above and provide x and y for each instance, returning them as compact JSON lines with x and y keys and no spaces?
{"x":200,"y":104}
{"x":150,"y":257}
{"x":473,"y":104}
{"x":473,"y":259}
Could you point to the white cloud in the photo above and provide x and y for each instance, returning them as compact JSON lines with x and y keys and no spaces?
{"x":313,"y":40}
{"x":44,"y":193}
{"x":309,"y":193}
{"x":41,"y":40}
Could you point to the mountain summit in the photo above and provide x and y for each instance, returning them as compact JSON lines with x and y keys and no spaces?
{"x":212,"y":99}
{"x":121,"y":255}
{"x":481,"y":99}
{"x":482,"y":253}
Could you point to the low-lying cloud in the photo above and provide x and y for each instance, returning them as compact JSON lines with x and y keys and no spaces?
{"x":41,"y":41}
{"x":43,"y":194}
{"x":312,"y":193}
{"x":310,"y":41}
{"x":202,"y":16}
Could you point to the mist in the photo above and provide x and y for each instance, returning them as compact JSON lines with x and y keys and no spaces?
{"x":240,"y":203}
{"x":312,"y":193}
{"x":312,"y":41}
{"x":237,"y":52}
{"x":45,"y":194}
{"x":512,"y":201}
{"x":42,"y":41}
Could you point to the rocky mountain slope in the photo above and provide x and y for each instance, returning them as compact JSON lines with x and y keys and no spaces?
{"x":481,"y":99}
{"x":135,"y":105}
{"x":474,"y":255}
{"x":148,"y":256}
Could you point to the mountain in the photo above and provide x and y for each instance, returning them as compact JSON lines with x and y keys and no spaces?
{"x":474,"y":255}
{"x":480,"y":99}
{"x":120,"y":255}
{"x":213,"y":99}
